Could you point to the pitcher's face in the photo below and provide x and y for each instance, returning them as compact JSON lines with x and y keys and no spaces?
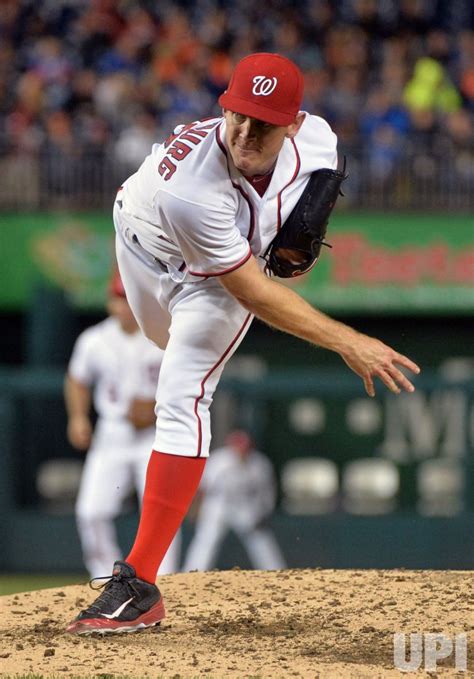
{"x":253,"y":144}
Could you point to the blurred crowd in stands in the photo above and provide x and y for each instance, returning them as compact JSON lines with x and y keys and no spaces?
{"x":113,"y":76}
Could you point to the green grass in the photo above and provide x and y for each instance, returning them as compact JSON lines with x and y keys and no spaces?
{"x":27,"y":582}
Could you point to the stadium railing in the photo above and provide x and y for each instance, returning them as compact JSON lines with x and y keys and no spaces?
{"x":417,"y":180}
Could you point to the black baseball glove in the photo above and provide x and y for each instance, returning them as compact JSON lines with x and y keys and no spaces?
{"x":296,"y":247}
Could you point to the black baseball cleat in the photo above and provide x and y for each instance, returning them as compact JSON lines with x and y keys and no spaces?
{"x":127,"y":604}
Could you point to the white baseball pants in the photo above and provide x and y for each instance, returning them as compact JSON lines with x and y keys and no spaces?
{"x":260,"y":544}
{"x":199,"y":323}
{"x":110,"y":473}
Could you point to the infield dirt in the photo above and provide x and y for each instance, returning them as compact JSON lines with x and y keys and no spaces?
{"x":292,"y":623}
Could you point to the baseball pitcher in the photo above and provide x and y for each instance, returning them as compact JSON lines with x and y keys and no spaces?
{"x":204,"y":228}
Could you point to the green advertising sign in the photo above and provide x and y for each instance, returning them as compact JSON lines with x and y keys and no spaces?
{"x":74,"y":252}
{"x":379,"y":263}
{"x":394,"y":263}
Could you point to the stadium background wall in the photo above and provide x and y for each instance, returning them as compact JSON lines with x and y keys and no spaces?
{"x":296,"y":400}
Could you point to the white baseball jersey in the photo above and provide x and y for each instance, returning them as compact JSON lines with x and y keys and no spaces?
{"x":237,"y":494}
{"x":119,"y":367}
{"x":243,"y":490}
{"x":194,"y":211}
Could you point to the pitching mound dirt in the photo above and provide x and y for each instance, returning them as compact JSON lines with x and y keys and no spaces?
{"x":293,"y":623}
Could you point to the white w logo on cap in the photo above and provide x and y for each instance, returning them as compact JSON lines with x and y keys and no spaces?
{"x":263,"y":86}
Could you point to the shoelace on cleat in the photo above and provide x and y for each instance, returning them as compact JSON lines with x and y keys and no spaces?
{"x":113,"y":585}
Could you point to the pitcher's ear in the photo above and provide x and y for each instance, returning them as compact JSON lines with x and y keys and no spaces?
{"x":294,"y":127}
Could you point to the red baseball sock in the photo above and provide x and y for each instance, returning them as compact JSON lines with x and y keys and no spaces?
{"x":171,"y":483}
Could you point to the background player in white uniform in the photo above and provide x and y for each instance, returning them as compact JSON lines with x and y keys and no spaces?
{"x":114,"y":365}
{"x":237,"y":492}
{"x":192,"y":224}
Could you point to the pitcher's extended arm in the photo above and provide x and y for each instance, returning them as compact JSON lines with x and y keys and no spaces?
{"x":284,"y":309}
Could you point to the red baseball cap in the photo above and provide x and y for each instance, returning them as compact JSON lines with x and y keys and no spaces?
{"x":239,"y":439}
{"x":267,"y":87}
{"x":116,"y":288}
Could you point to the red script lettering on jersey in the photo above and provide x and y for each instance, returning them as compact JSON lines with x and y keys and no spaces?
{"x":180,"y":146}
